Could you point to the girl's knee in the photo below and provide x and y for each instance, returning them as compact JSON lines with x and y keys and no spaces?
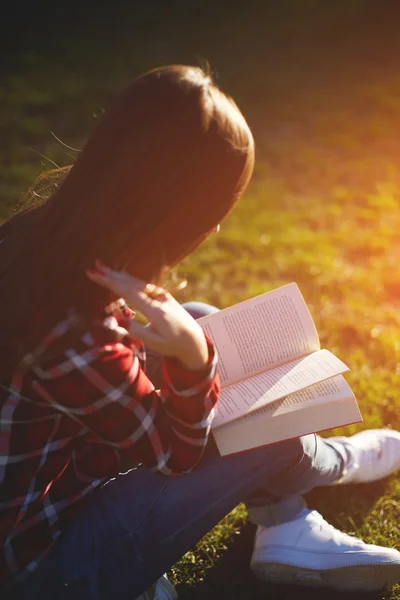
{"x":299,"y":453}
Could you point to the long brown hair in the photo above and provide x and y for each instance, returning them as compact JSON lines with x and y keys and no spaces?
{"x":166,"y":163}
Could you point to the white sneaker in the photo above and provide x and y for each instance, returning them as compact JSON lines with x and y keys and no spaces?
{"x":162,"y":589}
{"x":374,"y":454}
{"x":309,"y":551}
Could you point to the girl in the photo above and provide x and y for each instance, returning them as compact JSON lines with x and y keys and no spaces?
{"x":90,"y":448}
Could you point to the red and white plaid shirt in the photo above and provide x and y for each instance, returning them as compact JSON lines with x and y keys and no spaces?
{"x":73,"y":422}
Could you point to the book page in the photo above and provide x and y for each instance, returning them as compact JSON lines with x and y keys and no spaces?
{"x":261,"y":333}
{"x":251,"y":394}
{"x":324,"y":392}
{"x":323,"y":406}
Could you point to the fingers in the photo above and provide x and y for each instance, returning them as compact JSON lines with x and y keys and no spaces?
{"x":137,"y":293}
{"x":134,"y":295}
{"x":113,"y":275}
{"x":151,"y":290}
{"x":155,"y":292}
{"x":169,"y":322}
{"x":113,"y":280}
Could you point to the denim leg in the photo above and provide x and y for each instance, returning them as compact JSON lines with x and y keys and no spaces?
{"x":279,"y":501}
{"x":139,"y":524}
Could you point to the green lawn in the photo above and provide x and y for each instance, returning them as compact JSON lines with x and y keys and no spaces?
{"x":326,"y":215}
{"x":322,"y":210}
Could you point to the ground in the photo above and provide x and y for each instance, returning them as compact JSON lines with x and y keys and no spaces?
{"x":322,"y":210}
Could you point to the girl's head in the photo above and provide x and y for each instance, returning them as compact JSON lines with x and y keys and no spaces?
{"x":165,"y":164}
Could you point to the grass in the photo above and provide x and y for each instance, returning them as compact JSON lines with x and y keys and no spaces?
{"x":327,"y":216}
{"x":323,"y":210}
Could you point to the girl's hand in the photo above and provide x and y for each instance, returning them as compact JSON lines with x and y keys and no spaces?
{"x":171,"y":330}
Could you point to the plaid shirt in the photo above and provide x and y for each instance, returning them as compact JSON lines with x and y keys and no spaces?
{"x":70,"y":423}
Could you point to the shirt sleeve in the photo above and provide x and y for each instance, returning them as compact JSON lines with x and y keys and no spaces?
{"x":104,"y":389}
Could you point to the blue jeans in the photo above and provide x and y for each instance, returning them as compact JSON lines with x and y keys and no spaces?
{"x":139,"y":524}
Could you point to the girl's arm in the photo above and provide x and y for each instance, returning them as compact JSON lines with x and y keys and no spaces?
{"x":106,"y":393}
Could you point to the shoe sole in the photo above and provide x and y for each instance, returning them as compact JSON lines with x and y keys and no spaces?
{"x":359,"y":578}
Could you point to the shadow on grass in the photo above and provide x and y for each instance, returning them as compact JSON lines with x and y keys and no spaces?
{"x":347,"y":506}
{"x":231,"y":579}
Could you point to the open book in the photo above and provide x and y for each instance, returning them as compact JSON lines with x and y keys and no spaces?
{"x":276,"y":382}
